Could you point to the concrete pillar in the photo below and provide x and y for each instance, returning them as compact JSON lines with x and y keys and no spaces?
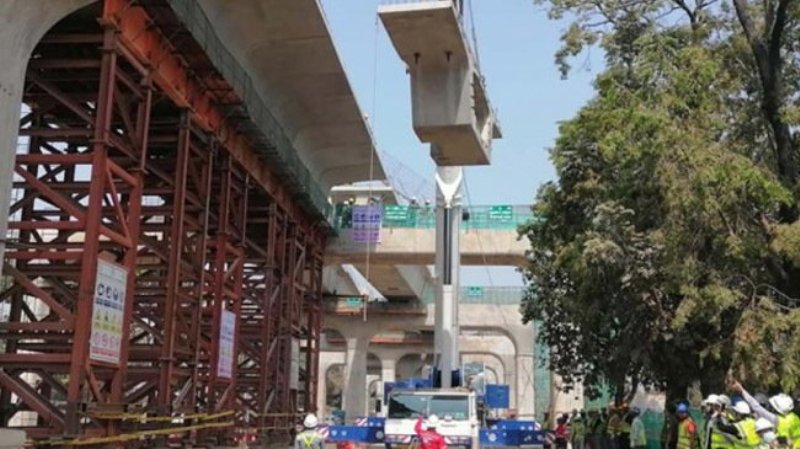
{"x":355,"y":375}
{"x":388,"y":369}
{"x":525,"y":399}
{"x":22,"y":25}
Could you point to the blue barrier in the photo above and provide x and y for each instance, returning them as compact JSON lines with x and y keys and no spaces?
{"x":511,"y":437}
{"x":356,"y":434}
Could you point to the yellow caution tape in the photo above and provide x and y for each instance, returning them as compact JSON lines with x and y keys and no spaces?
{"x":129,"y":436}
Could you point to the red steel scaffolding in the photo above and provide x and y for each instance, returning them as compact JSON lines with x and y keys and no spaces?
{"x":160,"y":280}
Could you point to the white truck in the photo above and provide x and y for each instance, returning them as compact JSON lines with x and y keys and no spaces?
{"x":457,"y":410}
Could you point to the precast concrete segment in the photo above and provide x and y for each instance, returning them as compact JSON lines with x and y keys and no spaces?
{"x":407,"y":246}
{"x":450,"y":107}
{"x":22,"y":25}
{"x":286,"y":48}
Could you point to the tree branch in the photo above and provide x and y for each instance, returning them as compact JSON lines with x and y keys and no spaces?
{"x":747,"y":22}
{"x":778,"y":27}
{"x":682,"y":5}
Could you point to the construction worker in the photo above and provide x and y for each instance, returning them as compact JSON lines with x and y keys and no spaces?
{"x":577,"y":431}
{"x":786,"y":422}
{"x":743,"y":430}
{"x":638,"y":435}
{"x":624,"y":439}
{"x":687,"y":428}
{"x":669,"y":431}
{"x":309,"y":438}
{"x":766,"y":432}
{"x":614,"y":423}
{"x":429,"y":438}
{"x":594,"y":430}
{"x":713,"y":438}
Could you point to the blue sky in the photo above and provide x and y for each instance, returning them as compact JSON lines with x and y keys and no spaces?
{"x":516,"y":43}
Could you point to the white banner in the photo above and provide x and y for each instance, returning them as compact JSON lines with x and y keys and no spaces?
{"x":108,"y":312}
{"x":227,"y":331}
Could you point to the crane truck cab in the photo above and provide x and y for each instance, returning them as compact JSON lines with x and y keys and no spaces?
{"x":457,"y":410}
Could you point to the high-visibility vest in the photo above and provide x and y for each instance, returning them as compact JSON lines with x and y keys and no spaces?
{"x":750,"y":438}
{"x":309,"y":438}
{"x":614,"y":425}
{"x":578,"y":429}
{"x":624,"y":426}
{"x":720,"y":441}
{"x":686,"y":439}
{"x":789,"y":428}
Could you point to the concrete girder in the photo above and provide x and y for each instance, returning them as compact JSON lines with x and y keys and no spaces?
{"x":286,"y":48}
{"x":406,"y":246}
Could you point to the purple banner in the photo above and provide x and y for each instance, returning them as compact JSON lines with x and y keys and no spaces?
{"x":367,"y":224}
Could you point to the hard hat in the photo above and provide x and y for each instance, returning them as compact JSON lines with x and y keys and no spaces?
{"x":782,"y":403}
{"x":742,"y":408}
{"x":724,"y":400}
{"x":682,"y":408}
{"x":311,"y":421}
{"x":712,"y":399}
{"x":433,"y":421}
{"x":763,"y":425}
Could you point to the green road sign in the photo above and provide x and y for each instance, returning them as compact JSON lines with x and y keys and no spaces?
{"x":501,"y":213}
{"x":395,"y":214}
{"x":354,"y":302}
{"x":474,"y":292}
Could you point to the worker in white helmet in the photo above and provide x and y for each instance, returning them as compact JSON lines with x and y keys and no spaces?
{"x":766,"y":431}
{"x":309,"y":438}
{"x":743,"y":430}
{"x":786,"y":422}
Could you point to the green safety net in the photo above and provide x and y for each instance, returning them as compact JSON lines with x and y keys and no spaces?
{"x":253,"y":116}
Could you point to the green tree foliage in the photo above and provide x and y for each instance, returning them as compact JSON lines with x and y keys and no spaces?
{"x":668,"y":249}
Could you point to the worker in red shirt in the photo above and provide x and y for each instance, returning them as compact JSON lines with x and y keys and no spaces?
{"x":429,"y":439}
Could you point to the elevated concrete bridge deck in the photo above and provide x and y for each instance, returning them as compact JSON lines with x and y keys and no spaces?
{"x":417,"y":247}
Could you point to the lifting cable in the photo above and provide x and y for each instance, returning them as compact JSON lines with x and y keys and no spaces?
{"x":371,"y":124}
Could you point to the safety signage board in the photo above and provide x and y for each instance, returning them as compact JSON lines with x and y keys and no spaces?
{"x":108,"y":312}
{"x":227,"y":330}
{"x":395,"y":213}
{"x":501,"y":213}
{"x":474,"y":292}
{"x":367,"y":223}
{"x":354,"y":302}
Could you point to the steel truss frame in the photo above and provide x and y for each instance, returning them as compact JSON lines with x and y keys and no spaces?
{"x":131,"y":160}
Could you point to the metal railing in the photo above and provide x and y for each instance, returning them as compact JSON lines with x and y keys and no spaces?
{"x":497,"y":217}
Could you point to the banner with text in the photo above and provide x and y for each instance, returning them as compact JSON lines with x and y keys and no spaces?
{"x":227,"y":331}
{"x":108,"y":312}
{"x":367,"y":224}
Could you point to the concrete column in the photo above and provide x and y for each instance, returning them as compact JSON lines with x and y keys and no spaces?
{"x":525,"y":400}
{"x":355,"y":375}
{"x":388,"y":372}
{"x":511,"y":377}
{"x":22,"y":25}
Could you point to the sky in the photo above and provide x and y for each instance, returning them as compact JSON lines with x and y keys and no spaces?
{"x":516,"y":43}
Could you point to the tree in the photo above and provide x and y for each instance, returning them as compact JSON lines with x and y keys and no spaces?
{"x":666,"y":250}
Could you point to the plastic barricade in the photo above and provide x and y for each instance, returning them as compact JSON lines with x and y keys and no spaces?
{"x":355,"y":434}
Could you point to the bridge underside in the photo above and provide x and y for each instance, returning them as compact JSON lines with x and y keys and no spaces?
{"x":136,"y":161}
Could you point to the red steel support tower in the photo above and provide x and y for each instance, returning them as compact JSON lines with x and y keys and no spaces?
{"x":157,"y":266}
